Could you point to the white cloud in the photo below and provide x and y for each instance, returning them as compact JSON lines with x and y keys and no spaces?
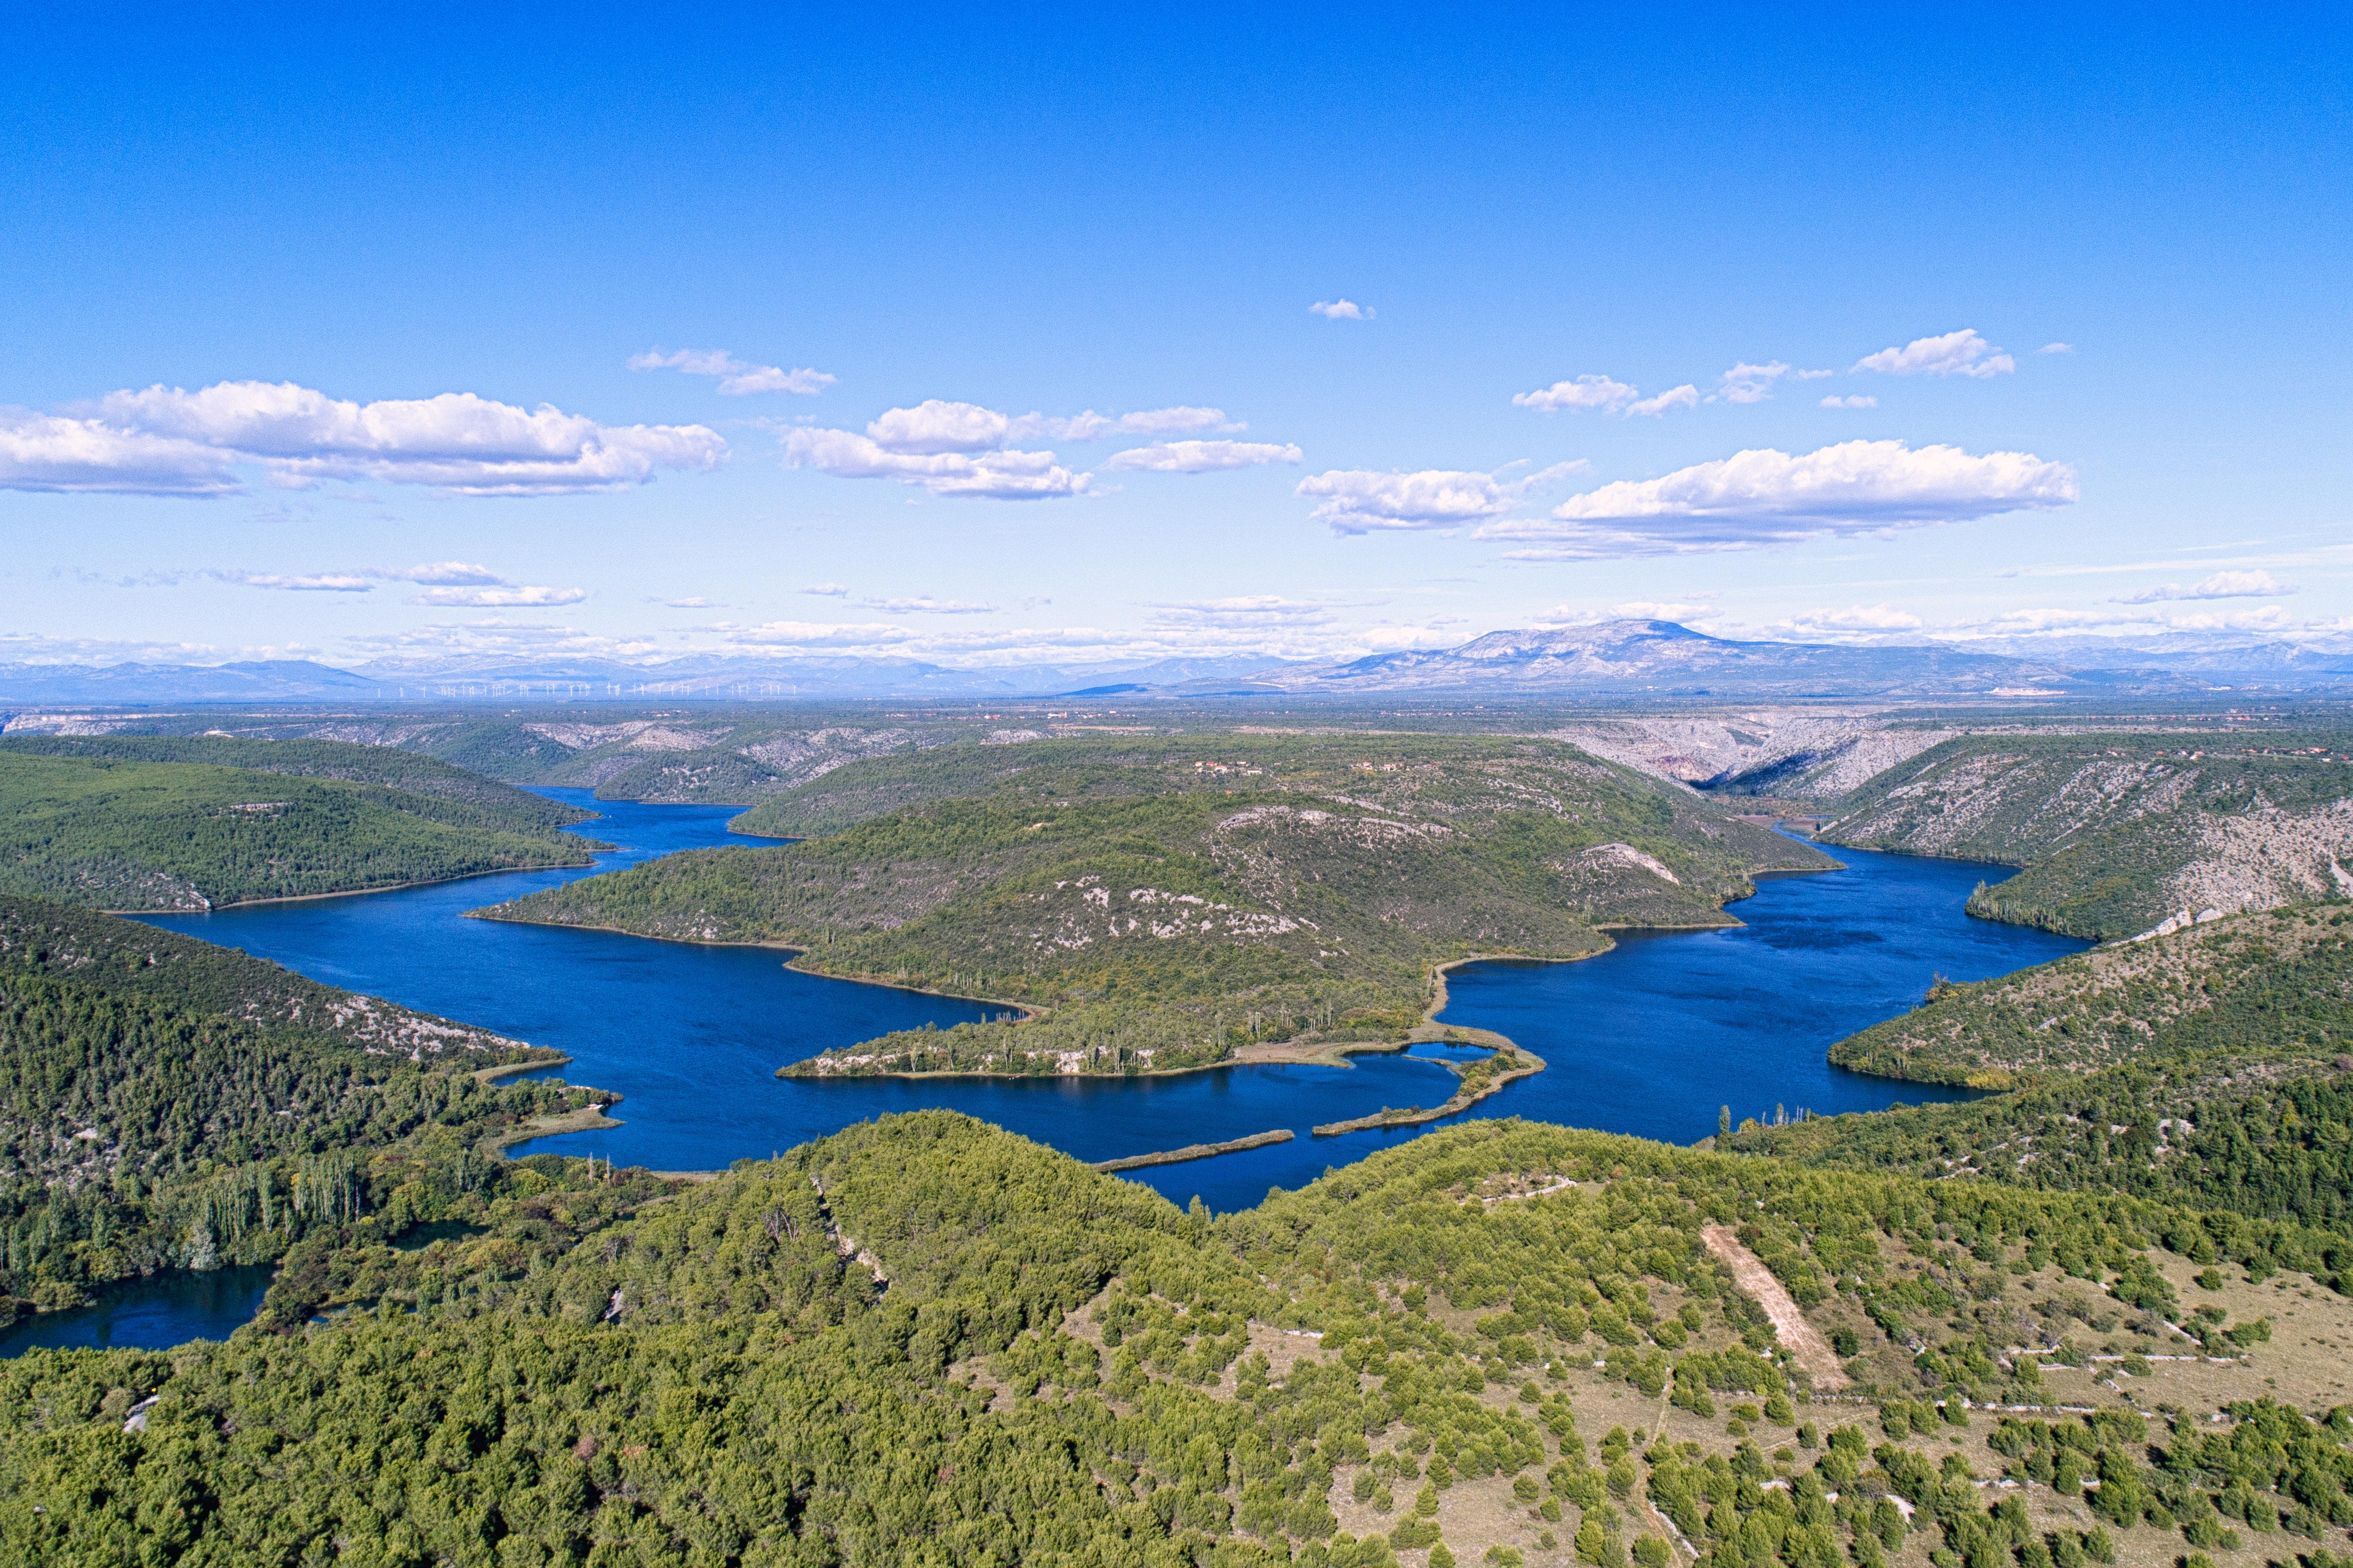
{"x":514,"y":597}
{"x":936,"y":426}
{"x":1955,"y":353}
{"x":44,"y":452}
{"x":1359,"y":501}
{"x":816,"y":634}
{"x":1746,"y":382}
{"x":2056,"y":349}
{"x":1247,"y":610}
{"x":697,"y":602}
{"x":439,"y":574}
{"x":1093,"y":426}
{"x":457,"y":442}
{"x":827,"y":590}
{"x":2270,"y":618}
{"x":736,"y":378}
{"x":1586,"y":391}
{"x":313,"y":582}
{"x":990,"y":475}
{"x":1632,"y":610}
{"x":925,"y":605}
{"x":1684,"y":397}
{"x":1768,"y":497}
{"x":1200,"y":457}
{"x":1859,"y":400}
{"x":1600,"y":393}
{"x":1342,"y":310}
{"x":1853,"y":618}
{"x":2220,"y":585}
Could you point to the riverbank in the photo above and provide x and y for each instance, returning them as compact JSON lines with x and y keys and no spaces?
{"x":1196,"y":1152}
{"x":794,"y":963}
{"x":588,"y":1118}
{"x":547,"y":1058}
{"x":594,"y":847}
{"x":1510,"y":1064}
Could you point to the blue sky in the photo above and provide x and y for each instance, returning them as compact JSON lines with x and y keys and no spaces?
{"x":240,"y":257}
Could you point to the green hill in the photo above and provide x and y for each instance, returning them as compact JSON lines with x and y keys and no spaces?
{"x":1170,"y":901}
{"x":2119,"y":832}
{"x":166,"y":1103}
{"x":925,"y":1342}
{"x":2208,"y":1066}
{"x":2249,"y":981}
{"x":105,"y":824}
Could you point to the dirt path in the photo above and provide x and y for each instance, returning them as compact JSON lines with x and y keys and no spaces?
{"x":1805,"y":1342}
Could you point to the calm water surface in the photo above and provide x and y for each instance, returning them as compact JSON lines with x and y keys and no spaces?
{"x":155,"y":1313}
{"x":1649,"y":1039}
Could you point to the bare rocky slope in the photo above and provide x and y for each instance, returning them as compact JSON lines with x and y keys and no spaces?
{"x":2119,"y":832}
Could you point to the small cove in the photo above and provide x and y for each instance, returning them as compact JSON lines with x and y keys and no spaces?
{"x":1649,"y":1039}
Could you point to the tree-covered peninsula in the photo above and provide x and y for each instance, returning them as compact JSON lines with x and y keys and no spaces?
{"x":181,"y":823}
{"x":168,"y":1103}
{"x":1163,"y":903}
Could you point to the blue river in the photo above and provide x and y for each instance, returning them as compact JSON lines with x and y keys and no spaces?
{"x":1652,"y":1038}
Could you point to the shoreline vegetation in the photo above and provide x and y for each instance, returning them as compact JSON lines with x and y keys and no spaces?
{"x":1148,"y":905}
{"x":1192,"y":1152}
{"x":594,"y":847}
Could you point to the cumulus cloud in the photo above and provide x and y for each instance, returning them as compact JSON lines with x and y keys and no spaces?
{"x":1360,"y":501}
{"x":1632,"y":610}
{"x":168,"y":441}
{"x":735,"y":377}
{"x":815,"y":634}
{"x":2220,"y":585}
{"x":1246,"y":610}
{"x":512,"y":596}
{"x":1200,"y":457}
{"x":827,"y":590}
{"x":1001,"y":475}
{"x":695,"y":603}
{"x":1684,"y":397}
{"x":1746,"y":382}
{"x":1768,"y":497}
{"x":953,"y":449}
{"x":311,"y":582}
{"x":1342,"y":310}
{"x":1853,"y":618}
{"x":2056,"y":349}
{"x":1858,"y":401}
{"x":1586,"y":391}
{"x":1090,"y":426}
{"x":439,"y":574}
{"x":44,"y":452}
{"x":925,"y":605}
{"x":1955,"y":353}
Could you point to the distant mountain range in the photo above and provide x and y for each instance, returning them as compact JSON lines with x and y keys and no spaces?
{"x":1614,"y":660}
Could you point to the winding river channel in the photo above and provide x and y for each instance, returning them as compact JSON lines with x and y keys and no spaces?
{"x":1650,"y":1038}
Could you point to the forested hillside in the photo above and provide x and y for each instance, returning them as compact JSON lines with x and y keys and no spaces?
{"x":165,"y":1103}
{"x":1168,"y":901}
{"x":124,"y":833}
{"x":2119,"y":832}
{"x":2213,"y":1066}
{"x":2281,"y":977}
{"x":471,"y":800}
{"x":925,"y":1342}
